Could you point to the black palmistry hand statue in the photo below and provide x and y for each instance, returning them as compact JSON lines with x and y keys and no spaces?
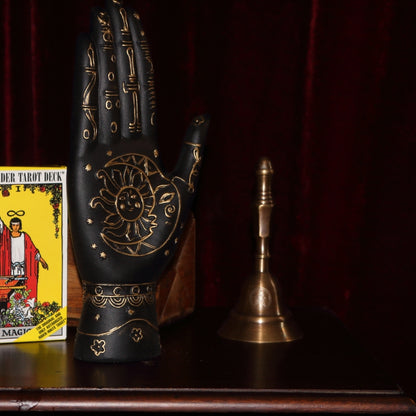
{"x":126,"y":213}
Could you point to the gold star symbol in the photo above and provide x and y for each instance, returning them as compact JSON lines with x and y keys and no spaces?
{"x":103,"y":255}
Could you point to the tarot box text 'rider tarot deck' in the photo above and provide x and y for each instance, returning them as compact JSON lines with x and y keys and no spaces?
{"x":33,"y":254}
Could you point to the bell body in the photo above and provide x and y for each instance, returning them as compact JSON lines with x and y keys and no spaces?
{"x":260,"y":315}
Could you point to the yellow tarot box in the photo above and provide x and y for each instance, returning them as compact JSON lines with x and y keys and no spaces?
{"x":33,"y":254}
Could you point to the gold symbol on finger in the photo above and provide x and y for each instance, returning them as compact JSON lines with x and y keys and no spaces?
{"x":111,"y":95}
{"x":125,"y":28}
{"x":107,"y":36}
{"x":132,"y":74}
{"x":194,"y":172}
{"x":133,"y":87}
{"x":150,"y":72}
{"x":198,"y":121}
{"x":88,"y":108}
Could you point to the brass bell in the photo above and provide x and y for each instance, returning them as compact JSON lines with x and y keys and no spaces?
{"x":260,"y":315}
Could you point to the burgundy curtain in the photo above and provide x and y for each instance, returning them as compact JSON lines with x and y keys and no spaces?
{"x":326,"y":89}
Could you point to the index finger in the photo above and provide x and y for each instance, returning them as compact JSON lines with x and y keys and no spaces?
{"x":84,"y":125}
{"x":145,"y":73}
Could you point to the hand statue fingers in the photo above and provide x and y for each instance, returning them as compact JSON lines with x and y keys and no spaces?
{"x":126,"y":214}
{"x":190,"y":158}
{"x":108,"y":104}
{"x":84,"y":127}
{"x":128,"y":82}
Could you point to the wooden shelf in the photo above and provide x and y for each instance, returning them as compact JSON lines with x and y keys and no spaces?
{"x":198,"y":371}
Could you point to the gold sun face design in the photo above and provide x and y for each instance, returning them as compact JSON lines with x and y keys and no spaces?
{"x":130,"y":203}
{"x":138,"y":200}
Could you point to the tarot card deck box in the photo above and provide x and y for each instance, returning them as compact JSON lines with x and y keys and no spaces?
{"x":33,"y":254}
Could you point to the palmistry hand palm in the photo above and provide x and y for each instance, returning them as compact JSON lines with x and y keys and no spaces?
{"x":126,"y":213}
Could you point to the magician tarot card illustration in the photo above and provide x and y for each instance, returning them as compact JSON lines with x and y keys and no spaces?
{"x":33,"y":254}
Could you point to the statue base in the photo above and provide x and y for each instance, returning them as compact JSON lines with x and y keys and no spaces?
{"x":175,"y":292}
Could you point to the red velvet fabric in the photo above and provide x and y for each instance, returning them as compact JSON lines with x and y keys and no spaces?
{"x":325,"y":89}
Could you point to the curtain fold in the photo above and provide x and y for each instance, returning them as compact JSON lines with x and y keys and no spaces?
{"x":346,"y":69}
{"x":325,"y":89}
